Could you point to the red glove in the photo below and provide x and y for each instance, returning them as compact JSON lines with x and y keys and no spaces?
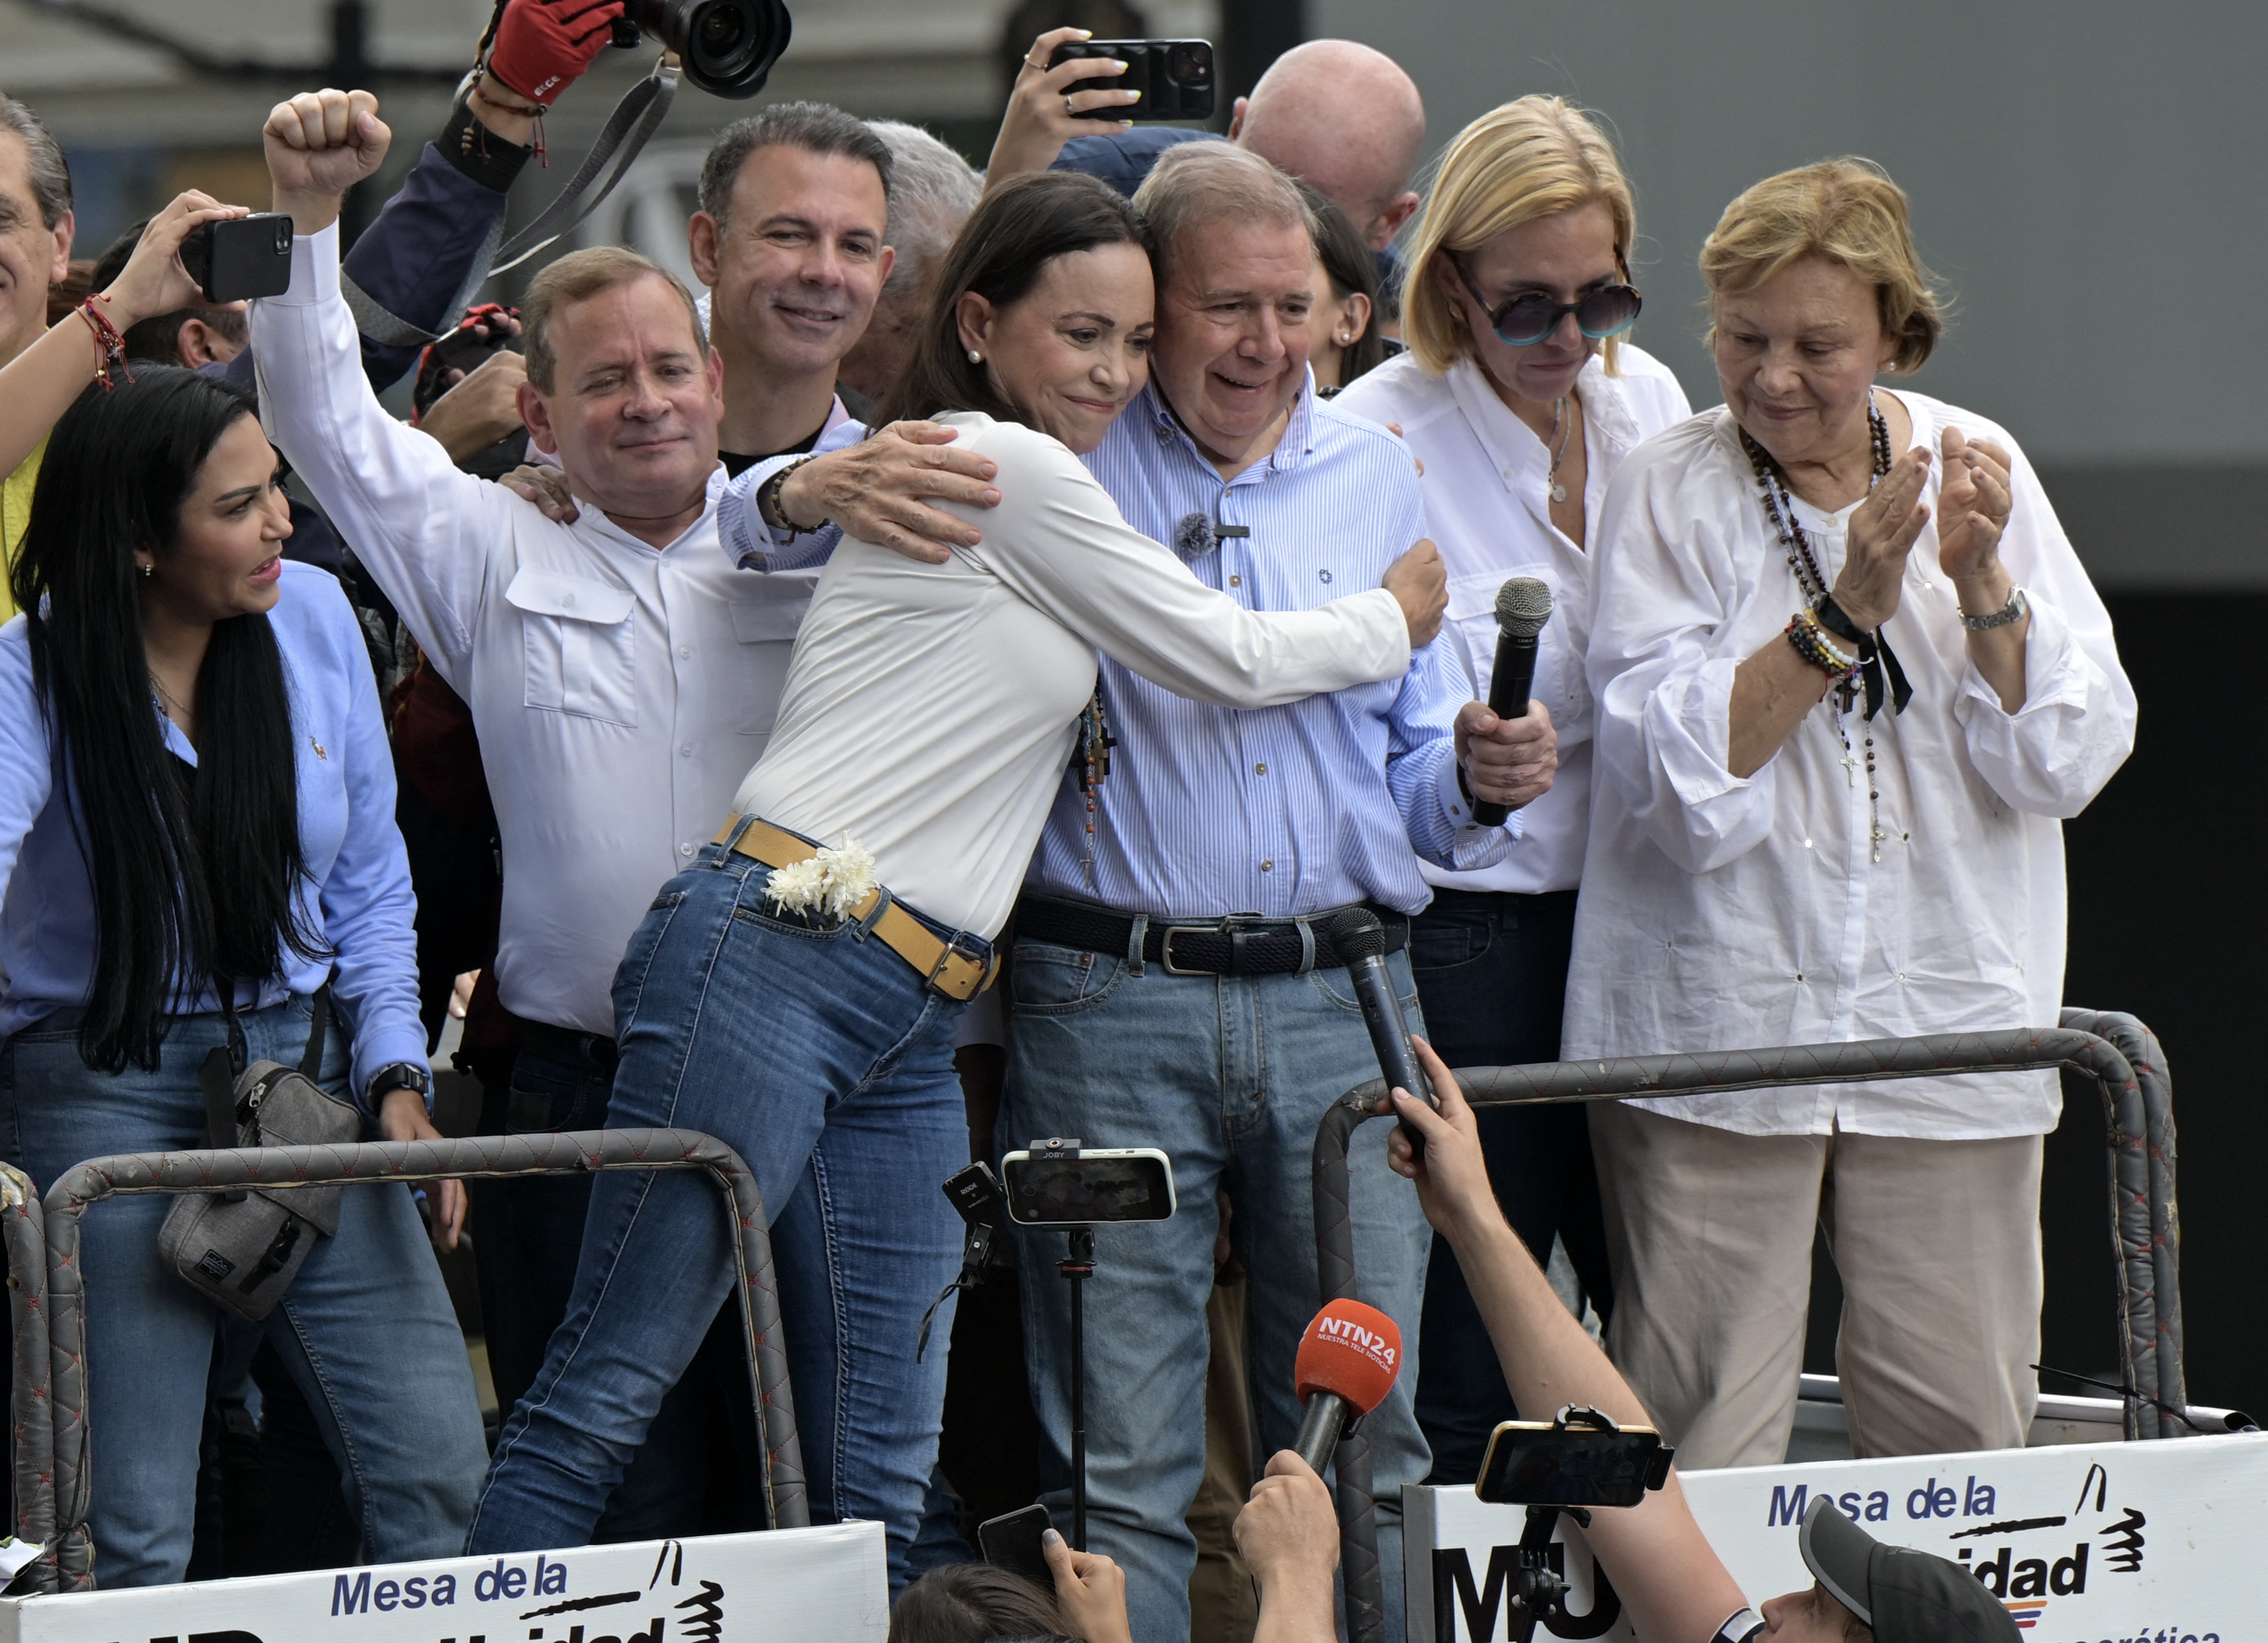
{"x":542,"y":47}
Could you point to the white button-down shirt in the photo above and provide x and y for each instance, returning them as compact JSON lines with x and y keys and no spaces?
{"x":620,"y":692}
{"x":1488,"y":508}
{"x":1721,"y":913}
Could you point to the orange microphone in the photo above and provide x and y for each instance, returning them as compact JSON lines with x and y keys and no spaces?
{"x":1347,"y":1363}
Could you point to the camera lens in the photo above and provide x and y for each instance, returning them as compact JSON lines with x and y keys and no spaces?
{"x":1192,"y":64}
{"x":720,"y":32}
{"x":728,"y":46}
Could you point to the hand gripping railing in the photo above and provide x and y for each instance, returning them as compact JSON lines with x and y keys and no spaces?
{"x":53,"y":1506}
{"x":2137,"y":1103}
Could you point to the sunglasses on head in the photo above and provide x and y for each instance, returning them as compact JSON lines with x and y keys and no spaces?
{"x":1530,"y":317}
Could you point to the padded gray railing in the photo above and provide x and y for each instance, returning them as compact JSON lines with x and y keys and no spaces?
{"x":48,"y":1300}
{"x":2116,"y":1051}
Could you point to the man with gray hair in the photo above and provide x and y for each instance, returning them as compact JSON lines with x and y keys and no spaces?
{"x":932,"y":191}
{"x":1175,"y":983}
{"x":35,"y":242}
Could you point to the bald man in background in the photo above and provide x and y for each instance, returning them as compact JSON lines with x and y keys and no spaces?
{"x":1334,"y":111}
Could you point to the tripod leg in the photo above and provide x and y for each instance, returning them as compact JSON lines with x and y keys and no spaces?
{"x":1078,"y":1411}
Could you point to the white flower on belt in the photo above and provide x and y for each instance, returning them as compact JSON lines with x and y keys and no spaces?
{"x":834,"y":882}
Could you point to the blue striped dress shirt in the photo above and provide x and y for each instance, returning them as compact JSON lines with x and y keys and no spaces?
{"x":1282,"y":811}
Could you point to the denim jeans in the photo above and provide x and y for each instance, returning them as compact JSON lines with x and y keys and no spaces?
{"x":367,"y":1330}
{"x":825,"y":1062}
{"x":1492,"y":971}
{"x":1230,"y":1076}
{"x":531,"y":1233}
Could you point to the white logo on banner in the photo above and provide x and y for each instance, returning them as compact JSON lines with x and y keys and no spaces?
{"x":2083,"y":1543}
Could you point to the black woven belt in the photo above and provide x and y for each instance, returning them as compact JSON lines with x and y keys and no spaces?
{"x":1243,"y":944}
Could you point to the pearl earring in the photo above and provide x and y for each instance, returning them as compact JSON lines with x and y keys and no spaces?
{"x":975,"y":358}
{"x":148,"y":571}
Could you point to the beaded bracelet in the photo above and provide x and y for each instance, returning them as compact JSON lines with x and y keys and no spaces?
{"x":109,"y":347}
{"x":1812,"y":643}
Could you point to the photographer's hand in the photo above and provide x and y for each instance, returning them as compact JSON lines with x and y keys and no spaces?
{"x":1288,"y":1536}
{"x":319,"y":146}
{"x":1090,"y":1591}
{"x":38,"y":385}
{"x":1044,"y":114}
{"x":1671,"y":1581}
{"x":153,"y":282}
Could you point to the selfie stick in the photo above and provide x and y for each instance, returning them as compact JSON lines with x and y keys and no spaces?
{"x":1079,"y":1266}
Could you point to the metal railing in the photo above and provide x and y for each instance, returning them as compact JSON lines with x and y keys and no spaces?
{"x":48,"y":1299}
{"x":2116,"y":1051}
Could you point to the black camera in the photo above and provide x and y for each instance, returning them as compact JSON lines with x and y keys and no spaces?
{"x":728,"y":47}
{"x":1174,"y":76}
{"x":238,"y":257}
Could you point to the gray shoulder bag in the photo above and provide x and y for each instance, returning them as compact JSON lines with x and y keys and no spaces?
{"x":241,"y":1251}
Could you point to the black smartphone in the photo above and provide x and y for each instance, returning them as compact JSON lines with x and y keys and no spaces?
{"x":1174,"y":76}
{"x":1012,"y":1542}
{"x":1533,"y":1462}
{"x":1067,"y":1187}
{"x":240,"y":257}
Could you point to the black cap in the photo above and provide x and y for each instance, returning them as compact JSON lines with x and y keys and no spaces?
{"x":1906,"y":1596}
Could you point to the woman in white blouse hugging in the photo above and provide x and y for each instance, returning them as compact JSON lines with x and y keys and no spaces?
{"x":796,"y":991}
{"x":1521,"y":393}
{"x":1849,"y":678}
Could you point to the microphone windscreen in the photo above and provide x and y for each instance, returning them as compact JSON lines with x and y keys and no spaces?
{"x":1523,"y":605}
{"x":1355,"y":933}
{"x":1350,"y":1349}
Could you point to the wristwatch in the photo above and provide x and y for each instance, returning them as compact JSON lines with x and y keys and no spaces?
{"x":400,"y":1076}
{"x":2012,"y":612}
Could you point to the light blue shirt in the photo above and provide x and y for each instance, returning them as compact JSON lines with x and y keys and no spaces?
{"x":1281,"y":811}
{"x":1275,"y":811}
{"x":356,"y":893}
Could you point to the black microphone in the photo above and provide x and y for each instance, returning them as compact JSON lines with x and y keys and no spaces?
{"x":1523,"y":605}
{"x":1359,"y":940}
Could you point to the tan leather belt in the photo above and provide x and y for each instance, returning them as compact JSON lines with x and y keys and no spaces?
{"x":951,"y":971}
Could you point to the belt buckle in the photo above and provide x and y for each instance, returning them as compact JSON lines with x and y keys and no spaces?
{"x":1166,"y":947}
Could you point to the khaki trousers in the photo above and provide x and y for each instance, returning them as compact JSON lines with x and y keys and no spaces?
{"x":1937,"y":1243}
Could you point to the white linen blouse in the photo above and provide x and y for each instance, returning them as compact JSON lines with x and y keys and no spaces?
{"x":1722,"y":913}
{"x":1488,"y":509}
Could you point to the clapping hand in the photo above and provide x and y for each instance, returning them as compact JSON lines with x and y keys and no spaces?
{"x":319,"y":146}
{"x":1883,"y":530}
{"x":1972,"y":511}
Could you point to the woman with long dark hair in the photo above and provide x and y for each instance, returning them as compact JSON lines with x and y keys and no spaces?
{"x":796,"y":991}
{"x":196,"y":834}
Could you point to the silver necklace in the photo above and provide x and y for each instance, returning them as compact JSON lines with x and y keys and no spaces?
{"x":1551,"y":479}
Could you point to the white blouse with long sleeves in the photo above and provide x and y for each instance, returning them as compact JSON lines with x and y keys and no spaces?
{"x":1719,"y":913}
{"x":1488,"y":510}
{"x":930,"y":709}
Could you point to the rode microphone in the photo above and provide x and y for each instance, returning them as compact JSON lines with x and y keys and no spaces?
{"x":1359,"y":940}
{"x":1347,"y":1363}
{"x":1523,"y":605}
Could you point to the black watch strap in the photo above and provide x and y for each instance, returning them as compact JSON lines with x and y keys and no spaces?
{"x":400,"y":1076}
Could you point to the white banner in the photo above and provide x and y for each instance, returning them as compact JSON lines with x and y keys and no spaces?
{"x":790,"y":1586}
{"x":2098,"y":1542}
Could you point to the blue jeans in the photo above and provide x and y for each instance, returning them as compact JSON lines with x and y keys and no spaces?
{"x":366,"y":1329}
{"x":826,"y":1062}
{"x":530,"y":1232}
{"x":1230,"y":1076}
{"x":1492,"y":971}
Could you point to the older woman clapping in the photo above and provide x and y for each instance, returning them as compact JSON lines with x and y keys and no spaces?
{"x":1849,"y":674}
